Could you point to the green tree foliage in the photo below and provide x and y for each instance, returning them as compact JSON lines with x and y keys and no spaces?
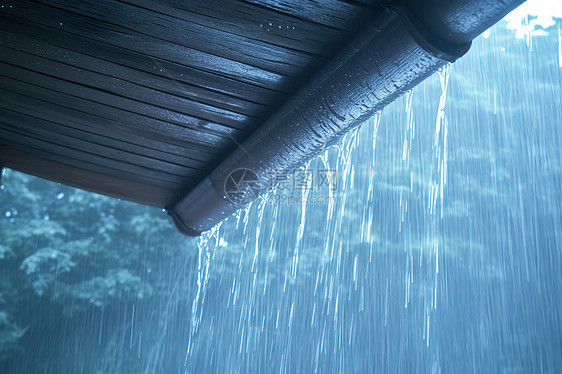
{"x":64,"y":251}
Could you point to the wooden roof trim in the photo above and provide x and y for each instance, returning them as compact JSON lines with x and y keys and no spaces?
{"x":117,"y":187}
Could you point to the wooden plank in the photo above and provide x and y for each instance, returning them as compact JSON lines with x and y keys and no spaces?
{"x":212,"y":130}
{"x":253,"y":21}
{"x":334,"y":13}
{"x":59,"y":147}
{"x":174,"y":133}
{"x":33,"y":37}
{"x":198,"y":156}
{"x":155,"y":81}
{"x":200,"y":37}
{"x":370,"y":3}
{"x":65,"y":154}
{"x":93,"y":143}
{"x":116,"y":36}
{"x":125,"y":89}
{"x":111,"y":133}
{"x":88,"y":180}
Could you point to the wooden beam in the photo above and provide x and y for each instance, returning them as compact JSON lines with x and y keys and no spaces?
{"x":95,"y":182}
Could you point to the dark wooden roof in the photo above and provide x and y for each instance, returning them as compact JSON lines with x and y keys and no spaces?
{"x":141,"y":99}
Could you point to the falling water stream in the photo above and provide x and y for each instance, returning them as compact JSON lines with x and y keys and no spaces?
{"x":371,"y":270}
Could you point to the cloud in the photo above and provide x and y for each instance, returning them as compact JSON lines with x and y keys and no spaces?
{"x":533,"y":17}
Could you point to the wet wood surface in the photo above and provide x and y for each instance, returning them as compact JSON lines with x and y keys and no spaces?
{"x":117,"y":96}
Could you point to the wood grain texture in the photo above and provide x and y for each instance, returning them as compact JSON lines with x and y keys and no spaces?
{"x":33,"y":37}
{"x":334,"y":13}
{"x":103,"y":129}
{"x":253,"y":21}
{"x":121,"y":37}
{"x":113,"y":152}
{"x":121,"y":188}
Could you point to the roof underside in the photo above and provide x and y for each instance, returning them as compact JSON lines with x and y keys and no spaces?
{"x":141,"y":99}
